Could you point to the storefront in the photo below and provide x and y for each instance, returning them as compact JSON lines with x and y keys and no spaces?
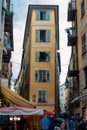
{"x":19,"y":109}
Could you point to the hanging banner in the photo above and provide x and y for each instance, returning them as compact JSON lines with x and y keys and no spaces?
{"x":0,"y":19}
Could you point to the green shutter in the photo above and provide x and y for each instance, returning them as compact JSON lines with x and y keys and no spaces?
{"x":38,"y":15}
{"x":48,"y":15}
{"x":37,"y":35}
{"x":47,"y":35}
{"x":37,"y":55}
{"x":48,"y":56}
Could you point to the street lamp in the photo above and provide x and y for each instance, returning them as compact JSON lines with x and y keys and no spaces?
{"x":14,"y":119}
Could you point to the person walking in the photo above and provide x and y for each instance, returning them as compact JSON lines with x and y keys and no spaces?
{"x":71,"y":125}
{"x":61,"y":125}
{"x":45,"y":123}
{"x":83,"y":124}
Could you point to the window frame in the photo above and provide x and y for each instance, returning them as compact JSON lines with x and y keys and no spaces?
{"x":39,"y":76}
{"x":38,"y":56}
{"x":82,"y":8}
{"x":43,"y":15}
{"x":47,"y":35}
{"x":42,"y":98}
{"x":83,"y":43}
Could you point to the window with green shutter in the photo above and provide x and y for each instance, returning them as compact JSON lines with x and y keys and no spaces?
{"x":42,"y":56}
{"x":42,"y":35}
{"x":42,"y":75}
{"x":43,"y":15}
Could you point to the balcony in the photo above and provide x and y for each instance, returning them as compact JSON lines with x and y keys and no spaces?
{"x":71,"y":10}
{"x":72,"y":72}
{"x":72,"y":37}
{"x":9,"y":27}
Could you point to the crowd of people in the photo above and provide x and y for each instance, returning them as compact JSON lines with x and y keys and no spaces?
{"x":64,"y":124}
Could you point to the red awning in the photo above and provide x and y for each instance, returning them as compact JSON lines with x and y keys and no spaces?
{"x":48,"y":113}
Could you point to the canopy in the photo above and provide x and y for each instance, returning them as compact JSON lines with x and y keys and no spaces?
{"x":48,"y":113}
{"x":14,"y":98}
{"x":16,"y":110}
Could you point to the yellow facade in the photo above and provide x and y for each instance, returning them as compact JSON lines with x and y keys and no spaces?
{"x":80,"y":50}
{"x":82,"y":58}
{"x":31,"y":47}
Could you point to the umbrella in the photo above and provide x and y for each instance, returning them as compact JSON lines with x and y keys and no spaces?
{"x":77,"y":117}
{"x":59,"y":118}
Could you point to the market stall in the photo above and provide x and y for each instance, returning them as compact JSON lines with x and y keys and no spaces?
{"x":14,"y":112}
{"x":13,"y":98}
{"x":18,"y":109}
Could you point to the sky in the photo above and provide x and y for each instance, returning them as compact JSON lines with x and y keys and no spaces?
{"x":20,"y":9}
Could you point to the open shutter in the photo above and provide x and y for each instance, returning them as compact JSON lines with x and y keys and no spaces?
{"x":37,"y":55}
{"x":48,"y":15}
{"x":48,"y":56}
{"x":38,"y":15}
{"x":47,"y":35}
{"x":37,"y":35}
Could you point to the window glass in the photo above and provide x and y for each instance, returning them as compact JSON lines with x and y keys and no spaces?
{"x":41,"y":96}
{"x":42,"y":15}
{"x":83,"y":43}
{"x":82,"y":8}
{"x":42,"y":56}
{"x":42,"y":35}
{"x":42,"y":76}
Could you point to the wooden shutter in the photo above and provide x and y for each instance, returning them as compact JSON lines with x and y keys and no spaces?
{"x":37,"y":35}
{"x":47,"y":35}
{"x":38,"y":15}
{"x":48,"y":15}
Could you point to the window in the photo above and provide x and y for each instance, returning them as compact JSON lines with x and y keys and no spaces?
{"x":42,"y":35}
{"x":42,"y":15}
{"x":41,"y":96}
{"x":83,"y":43}
{"x":42,"y":76}
{"x":82,"y":8}
{"x":85,"y":73}
{"x":42,"y":56}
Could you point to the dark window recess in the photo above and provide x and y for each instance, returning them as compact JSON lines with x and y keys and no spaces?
{"x":43,"y":36}
{"x":83,"y":43}
{"x":82,"y":8}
